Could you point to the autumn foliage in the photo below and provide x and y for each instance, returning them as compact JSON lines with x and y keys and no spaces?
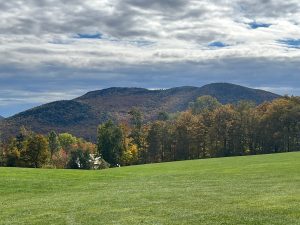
{"x":207,"y":129}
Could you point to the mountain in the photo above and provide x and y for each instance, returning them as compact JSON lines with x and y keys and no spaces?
{"x":82,"y":115}
{"x":1,"y":117}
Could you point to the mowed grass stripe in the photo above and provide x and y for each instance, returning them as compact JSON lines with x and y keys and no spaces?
{"x":256,"y":190}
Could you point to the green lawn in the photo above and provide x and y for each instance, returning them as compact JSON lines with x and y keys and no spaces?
{"x":239,"y":190}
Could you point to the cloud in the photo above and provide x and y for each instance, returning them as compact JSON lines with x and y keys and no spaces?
{"x":291,"y":43}
{"x":268,"y":8}
{"x":52,"y":46}
{"x":158,"y":5}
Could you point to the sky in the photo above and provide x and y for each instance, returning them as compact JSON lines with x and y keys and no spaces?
{"x":60,"y":49}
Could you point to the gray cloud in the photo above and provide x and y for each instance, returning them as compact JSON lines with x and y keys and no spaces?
{"x":268,"y":8}
{"x":154,"y":44}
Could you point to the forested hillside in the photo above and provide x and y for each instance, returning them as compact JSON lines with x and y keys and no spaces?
{"x":82,"y":115}
{"x":207,"y":129}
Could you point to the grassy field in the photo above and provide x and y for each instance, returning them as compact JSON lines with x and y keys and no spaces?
{"x":240,"y":190}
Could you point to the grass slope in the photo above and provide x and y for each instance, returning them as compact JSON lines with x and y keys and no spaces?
{"x":241,"y":190}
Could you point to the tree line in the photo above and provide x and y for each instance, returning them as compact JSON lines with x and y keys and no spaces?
{"x":207,"y":129}
{"x":32,"y":150}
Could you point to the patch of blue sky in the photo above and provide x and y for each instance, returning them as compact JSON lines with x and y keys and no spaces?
{"x":256,"y":25}
{"x":218,"y":44}
{"x":290,"y":43}
{"x":89,"y":36}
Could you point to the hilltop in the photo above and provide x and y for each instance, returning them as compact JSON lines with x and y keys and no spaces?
{"x":82,"y":115}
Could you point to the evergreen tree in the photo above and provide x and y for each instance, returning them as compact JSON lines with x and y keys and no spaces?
{"x":54,"y":144}
{"x":154,"y":140}
{"x":136,"y":121}
{"x":110,"y":142}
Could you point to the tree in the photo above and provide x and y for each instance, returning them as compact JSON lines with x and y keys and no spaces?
{"x":37,"y":151}
{"x":154,"y":140}
{"x":81,"y":155}
{"x":138,"y":133}
{"x":21,"y":144}
{"x":67,"y":141}
{"x":21,"y":139}
{"x":54,"y":144}
{"x":80,"y":159}
{"x":184,"y":136}
{"x":280,"y":120}
{"x":136,"y":123}
{"x":199,"y":132}
{"x":130,"y":154}
{"x":244,"y":127}
{"x":224,"y":120}
{"x":12,"y":154}
{"x":110,"y":142}
{"x":2,"y":155}
{"x":204,"y":103}
{"x":163,"y":116}
{"x":136,"y":118}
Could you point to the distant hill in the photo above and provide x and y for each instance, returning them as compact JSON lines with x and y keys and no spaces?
{"x":1,"y":117}
{"x":82,"y":115}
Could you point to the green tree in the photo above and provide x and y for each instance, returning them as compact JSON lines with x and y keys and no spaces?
{"x":12,"y":154}
{"x":21,"y":138}
{"x":204,"y":103}
{"x":154,"y":139}
{"x":163,"y":116}
{"x":110,"y":143}
{"x":2,"y":154}
{"x":37,"y":151}
{"x":67,"y":141}
{"x":136,"y":122}
{"x":54,"y":144}
{"x":80,"y":159}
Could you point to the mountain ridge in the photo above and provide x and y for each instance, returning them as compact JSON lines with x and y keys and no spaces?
{"x":81,"y":116}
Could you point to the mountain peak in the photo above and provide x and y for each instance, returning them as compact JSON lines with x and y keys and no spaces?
{"x":82,"y":115}
{"x":230,"y":93}
{"x":228,"y":86}
{"x":113,"y":91}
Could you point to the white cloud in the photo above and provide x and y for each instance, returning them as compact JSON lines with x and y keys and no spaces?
{"x":158,"y":43}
